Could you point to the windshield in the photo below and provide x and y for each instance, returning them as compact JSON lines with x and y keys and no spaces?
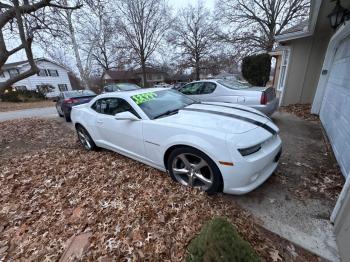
{"x":78,"y":93}
{"x":234,"y":84}
{"x":161,"y":103}
{"x":121,"y":87}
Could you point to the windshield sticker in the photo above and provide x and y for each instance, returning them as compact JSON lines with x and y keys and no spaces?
{"x":143,"y":98}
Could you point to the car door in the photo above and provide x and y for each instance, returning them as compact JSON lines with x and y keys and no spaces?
{"x":201,"y":91}
{"x":119,"y":135}
{"x":192,"y":90}
{"x":207,"y":91}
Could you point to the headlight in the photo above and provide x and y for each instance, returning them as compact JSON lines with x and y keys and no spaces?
{"x":249,"y":150}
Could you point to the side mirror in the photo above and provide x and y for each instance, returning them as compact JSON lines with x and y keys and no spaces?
{"x":126,"y":116}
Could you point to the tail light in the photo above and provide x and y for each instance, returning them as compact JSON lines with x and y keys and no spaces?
{"x":70,"y":101}
{"x":263,"y":99}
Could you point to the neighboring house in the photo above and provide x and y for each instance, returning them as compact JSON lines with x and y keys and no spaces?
{"x":51,"y":74}
{"x":116,"y":76}
{"x":314,"y":67}
{"x":153,"y":76}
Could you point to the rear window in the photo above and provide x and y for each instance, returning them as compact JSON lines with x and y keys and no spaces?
{"x":234,"y":84}
{"x":79,"y":93}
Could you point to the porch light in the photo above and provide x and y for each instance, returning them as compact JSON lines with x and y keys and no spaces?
{"x":338,"y":15}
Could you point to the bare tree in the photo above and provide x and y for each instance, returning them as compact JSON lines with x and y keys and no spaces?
{"x":193,"y":34}
{"x":255,"y":23}
{"x":68,"y":36}
{"x":143,"y":24}
{"x":19,"y":23}
{"x":106,"y":52}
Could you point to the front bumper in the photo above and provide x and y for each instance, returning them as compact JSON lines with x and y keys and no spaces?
{"x":247,"y":175}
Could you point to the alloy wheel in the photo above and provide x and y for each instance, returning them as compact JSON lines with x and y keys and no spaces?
{"x":84,"y":139}
{"x":192,"y":170}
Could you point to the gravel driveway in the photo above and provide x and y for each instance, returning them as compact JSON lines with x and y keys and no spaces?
{"x":35,"y":112}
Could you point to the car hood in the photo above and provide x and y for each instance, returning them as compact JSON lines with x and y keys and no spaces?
{"x":222,"y":117}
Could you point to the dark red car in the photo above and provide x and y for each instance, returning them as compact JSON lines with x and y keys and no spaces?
{"x":67,"y":99}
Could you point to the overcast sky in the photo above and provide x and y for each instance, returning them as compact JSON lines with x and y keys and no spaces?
{"x":183,"y":3}
{"x":177,"y":4}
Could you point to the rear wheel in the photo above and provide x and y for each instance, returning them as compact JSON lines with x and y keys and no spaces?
{"x":191,"y":167}
{"x":67,"y":117}
{"x":85,"y":138}
{"x":58,"y":112}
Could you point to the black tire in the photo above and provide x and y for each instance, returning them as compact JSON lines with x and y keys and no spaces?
{"x":67,"y":117}
{"x":89,"y":144}
{"x":58,"y":112}
{"x":210,"y":171}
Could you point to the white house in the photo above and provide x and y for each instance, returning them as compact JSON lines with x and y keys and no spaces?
{"x":51,"y":74}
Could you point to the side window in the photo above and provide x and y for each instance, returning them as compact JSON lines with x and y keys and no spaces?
{"x":118,"y":105}
{"x":192,"y":89}
{"x":97,"y":106}
{"x":208,"y":88}
{"x":112,"y":106}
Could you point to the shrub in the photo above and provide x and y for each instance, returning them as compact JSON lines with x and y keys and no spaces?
{"x":21,"y":96}
{"x":219,"y":241}
{"x":256,"y":69}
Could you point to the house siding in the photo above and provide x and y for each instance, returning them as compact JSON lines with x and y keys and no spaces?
{"x":33,"y":81}
{"x":306,"y":60}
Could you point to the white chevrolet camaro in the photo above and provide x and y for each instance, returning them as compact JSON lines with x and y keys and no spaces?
{"x":214,"y":146}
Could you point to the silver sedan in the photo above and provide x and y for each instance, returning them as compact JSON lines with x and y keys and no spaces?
{"x":233,"y":91}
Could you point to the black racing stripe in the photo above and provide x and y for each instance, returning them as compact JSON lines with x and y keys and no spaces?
{"x":238,"y":108}
{"x":257,"y":123}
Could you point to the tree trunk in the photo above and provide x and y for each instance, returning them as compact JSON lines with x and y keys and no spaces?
{"x":197,"y":70}
{"x":144,"y":75}
{"x":76,"y":50}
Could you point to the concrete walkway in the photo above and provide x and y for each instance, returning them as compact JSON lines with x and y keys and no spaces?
{"x":304,"y":221}
{"x":35,"y":112}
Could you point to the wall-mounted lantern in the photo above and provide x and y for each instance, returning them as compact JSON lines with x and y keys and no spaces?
{"x":338,"y":15}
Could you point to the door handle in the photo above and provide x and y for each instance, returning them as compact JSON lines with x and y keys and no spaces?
{"x":99,"y":121}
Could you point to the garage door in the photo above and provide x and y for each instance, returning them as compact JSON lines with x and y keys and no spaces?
{"x":335,"y":110}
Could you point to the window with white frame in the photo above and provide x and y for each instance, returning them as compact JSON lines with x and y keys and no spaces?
{"x":42,"y":72}
{"x":13,"y":72}
{"x":2,"y":74}
{"x":283,"y":72}
{"x":52,"y":72}
{"x":63,"y":87}
{"x":20,"y":88}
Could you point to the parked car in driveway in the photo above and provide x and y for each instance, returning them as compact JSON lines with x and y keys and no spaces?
{"x":120,"y":87}
{"x":233,"y":91}
{"x":214,"y":147}
{"x":162,"y":85}
{"x":178,"y":85}
{"x":67,"y":99}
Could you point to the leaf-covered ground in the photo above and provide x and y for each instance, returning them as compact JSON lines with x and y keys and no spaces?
{"x":301,"y":110}
{"x":52,"y":189}
{"x":9,"y":106}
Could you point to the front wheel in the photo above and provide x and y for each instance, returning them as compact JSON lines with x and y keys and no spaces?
{"x":85,"y":138}
{"x":191,"y":167}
